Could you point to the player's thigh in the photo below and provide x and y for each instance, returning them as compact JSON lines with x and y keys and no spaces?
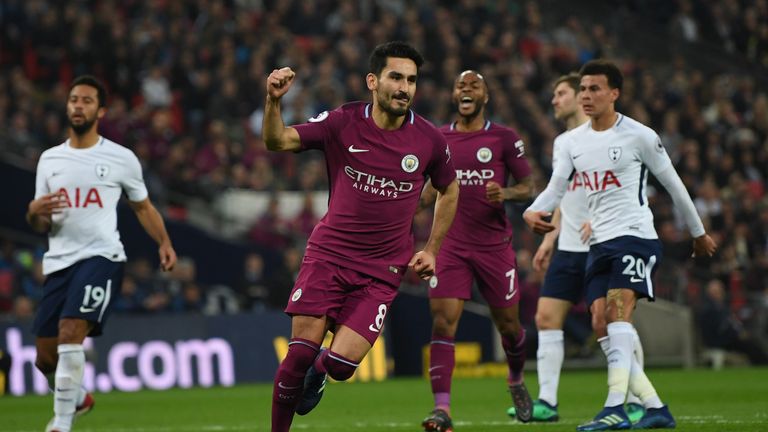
{"x":551,"y":313}
{"x":366,"y":306}
{"x":49,"y":308}
{"x":497,"y":277}
{"x":312,"y":328}
{"x":318,"y":290}
{"x":95,"y":282}
{"x":350,"y":344}
{"x":453,"y":276}
{"x":565,"y":277}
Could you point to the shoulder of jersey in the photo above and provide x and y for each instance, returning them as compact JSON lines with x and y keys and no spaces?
{"x":53,"y":150}
{"x":352,"y":107}
{"x":120,"y":149}
{"x":572,"y":134}
{"x":629,"y":124}
{"x":425,"y":126}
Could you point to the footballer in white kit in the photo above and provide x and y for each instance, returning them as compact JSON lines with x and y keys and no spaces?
{"x":77,"y":188}
{"x":612,"y":168}
{"x":610,"y":157}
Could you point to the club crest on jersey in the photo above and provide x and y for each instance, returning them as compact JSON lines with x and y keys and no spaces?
{"x":410,"y":163}
{"x":102,"y":171}
{"x":320,"y":117}
{"x":433,"y":282}
{"x":614,"y":153}
{"x":296,"y":295}
{"x":484,"y":154}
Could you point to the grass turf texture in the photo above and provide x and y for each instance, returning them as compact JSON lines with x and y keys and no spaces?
{"x":701,"y":400}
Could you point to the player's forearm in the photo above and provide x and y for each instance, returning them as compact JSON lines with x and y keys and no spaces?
{"x":445,"y":210}
{"x":550,"y":198}
{"x":521,"y":191}
{"x":674,"y":185}
{"x":272,"y":126}
{"x":153,"y":224}
{"x":551,"y":236}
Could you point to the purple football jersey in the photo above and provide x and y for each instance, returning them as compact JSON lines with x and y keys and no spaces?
{"x":490,"y":154}
{"x":376,"y":177}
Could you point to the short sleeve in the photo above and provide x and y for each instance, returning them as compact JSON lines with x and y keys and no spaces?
{"x":133,"y":181}
{"x":653,"y":154}
{"x":441,"y":169}
{"x":514,"y":157}
{"x":317,"y":132}
{"x":41,"y":185}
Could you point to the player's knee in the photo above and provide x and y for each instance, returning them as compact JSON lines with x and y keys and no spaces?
{"x":339,"y":368}
{"x":545,"y":321}
{"x":510,"y":328}
{"x":72,"y":331}
{"x":443,"y":326}
{"x":599,"y":325}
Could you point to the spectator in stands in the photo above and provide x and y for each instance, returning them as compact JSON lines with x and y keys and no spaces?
{"x":253,"y":287}
{"x":721,"y":329}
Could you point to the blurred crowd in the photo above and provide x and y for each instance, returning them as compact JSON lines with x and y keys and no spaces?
{"x":186,"y":80}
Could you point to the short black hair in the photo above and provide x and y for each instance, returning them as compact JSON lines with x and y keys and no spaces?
{"x":378,"y":59}
{"x":573,"y":80}
{"x":604,"y":67}
{"x":91,"y":81}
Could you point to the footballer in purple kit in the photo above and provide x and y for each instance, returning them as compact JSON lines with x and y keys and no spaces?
{"x":478,"y":245}
{"x":378,"y":155}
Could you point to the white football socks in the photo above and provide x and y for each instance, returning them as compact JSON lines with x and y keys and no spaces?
{"x":549,"y":362}
{"x":620,"y":336}
{"x":69,"y":375}
{"x":80,"y":393}
{"x":639,"y":357}
{"x":640,"y":385}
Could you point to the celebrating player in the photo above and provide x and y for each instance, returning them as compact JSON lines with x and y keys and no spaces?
{"x":612,"y":154}
{"x":77,"y":188}
{"x":478,"y":245}
{"x":378,"y":156}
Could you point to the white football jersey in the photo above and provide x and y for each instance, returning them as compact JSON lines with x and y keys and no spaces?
{"x":573,"y":209}
{"x":612,"y":167}
{"x":91,"y":181}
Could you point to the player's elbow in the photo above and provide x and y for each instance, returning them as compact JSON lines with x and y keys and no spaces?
{"x":526,"y":188}
{"x":273,"y":144}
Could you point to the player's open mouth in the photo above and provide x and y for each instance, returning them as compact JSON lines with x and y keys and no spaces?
{"x":466,"y":102}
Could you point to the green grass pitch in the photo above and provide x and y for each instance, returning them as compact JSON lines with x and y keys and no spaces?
{"x":701,"y":400}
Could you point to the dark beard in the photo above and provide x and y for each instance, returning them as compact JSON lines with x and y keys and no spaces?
{"x":83,"y":128}
{"x":393,"y":111}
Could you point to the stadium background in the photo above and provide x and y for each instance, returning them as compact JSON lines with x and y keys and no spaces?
{"x":187,"y":87}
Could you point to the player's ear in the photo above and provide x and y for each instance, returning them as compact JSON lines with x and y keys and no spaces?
{"x":101,"y":112}
{"x":615,"y":93}
{"x":372,"y":81}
